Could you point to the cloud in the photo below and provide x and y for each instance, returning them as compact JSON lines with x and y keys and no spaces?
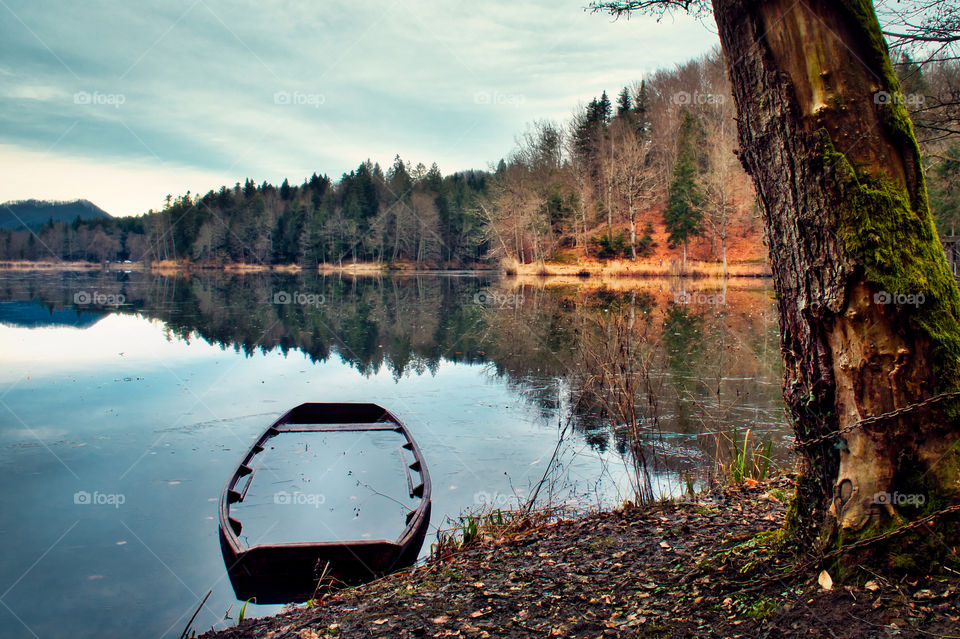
{"x":191,"y":87}
{"x":33,"y":92}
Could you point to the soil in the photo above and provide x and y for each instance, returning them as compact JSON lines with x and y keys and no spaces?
{"x":714,"y":567}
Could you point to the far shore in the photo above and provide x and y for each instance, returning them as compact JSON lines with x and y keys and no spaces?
{"x":512,"y":270}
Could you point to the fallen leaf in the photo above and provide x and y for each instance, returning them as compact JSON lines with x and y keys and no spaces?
{"x":380,"y":622}
{"x":871,"y":585}
{"x":441,"y":619}
{"x":825,"y":581}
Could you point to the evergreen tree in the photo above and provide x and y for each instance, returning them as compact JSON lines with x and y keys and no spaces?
{"x":641,"y":110}
{"x":398,"y":179}
{"x":944,"y":186}
{"x":684,"y":214}
{"x":604,"y":109}
{"x":623,"y":102}
{"x":433,"y":179}
{"x":912,"y":81}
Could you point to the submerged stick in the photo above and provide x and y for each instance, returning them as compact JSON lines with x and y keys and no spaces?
{"x":196,"y":612}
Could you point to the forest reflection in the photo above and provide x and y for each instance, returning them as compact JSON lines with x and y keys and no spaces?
{"x":682,"y":368}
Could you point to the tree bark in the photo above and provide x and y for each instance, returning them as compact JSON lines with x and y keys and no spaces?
{"x":839,"y":178}
{"x":632,"y":214}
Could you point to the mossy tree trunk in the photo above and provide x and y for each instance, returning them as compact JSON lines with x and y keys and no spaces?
{"x":868,"y":307}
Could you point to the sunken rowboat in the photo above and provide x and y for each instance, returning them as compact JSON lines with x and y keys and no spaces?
{"x":332,"y":491}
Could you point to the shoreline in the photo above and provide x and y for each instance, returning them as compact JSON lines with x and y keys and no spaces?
{"x":572,"y":273}
{"x":619,"y":269}
{"x":714,"y":566}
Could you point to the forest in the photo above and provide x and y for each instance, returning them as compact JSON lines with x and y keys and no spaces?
{"x":652,"y":169}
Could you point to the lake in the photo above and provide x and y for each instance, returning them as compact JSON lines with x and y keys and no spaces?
{"x":127,"y":399}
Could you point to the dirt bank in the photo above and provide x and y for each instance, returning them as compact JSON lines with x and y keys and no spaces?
{"x":707,"y":569}
{"x":642,"y":268}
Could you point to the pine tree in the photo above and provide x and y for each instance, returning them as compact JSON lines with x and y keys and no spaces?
{"x":944,"y":188}
{"x":683,"y":214}
{"x":604,"y":108}
{"x":641,"y":109}
{"x":623,"y":102}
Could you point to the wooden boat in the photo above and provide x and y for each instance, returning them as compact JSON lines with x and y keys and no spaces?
{"x":288,"y":572}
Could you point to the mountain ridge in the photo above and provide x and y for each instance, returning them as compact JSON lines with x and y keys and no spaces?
{"x":15,"y":214}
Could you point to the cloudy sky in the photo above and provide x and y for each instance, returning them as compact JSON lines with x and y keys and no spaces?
{"x":125,"y":102}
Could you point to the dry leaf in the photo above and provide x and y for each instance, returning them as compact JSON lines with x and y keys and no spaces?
{"x":871,"y":585}
{"x":825,"y":581}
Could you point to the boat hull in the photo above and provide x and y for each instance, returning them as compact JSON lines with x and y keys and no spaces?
{"x":291,"y":572}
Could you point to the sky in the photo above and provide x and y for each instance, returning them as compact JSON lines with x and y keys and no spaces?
{"x":123,"y":103}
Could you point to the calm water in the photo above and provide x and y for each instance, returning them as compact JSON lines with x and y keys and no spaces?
{"x":126,"y":400}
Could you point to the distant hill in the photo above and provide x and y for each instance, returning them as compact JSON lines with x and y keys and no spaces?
{"x":32,"y":213}
{"x":34,"y":314}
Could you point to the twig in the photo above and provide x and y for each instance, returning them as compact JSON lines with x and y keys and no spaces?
{"x":196,"y":612}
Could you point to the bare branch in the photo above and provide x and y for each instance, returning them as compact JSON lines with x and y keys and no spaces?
{"x":657,"y":8}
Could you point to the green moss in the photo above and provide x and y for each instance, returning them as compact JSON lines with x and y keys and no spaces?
{"x":895,"y":241}
{"x":902,"y":562}
{"x":888,"y":227}
{"x":792,"y":522}
{"x":763,"y":609}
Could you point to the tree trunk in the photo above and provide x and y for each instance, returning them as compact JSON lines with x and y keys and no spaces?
{"x":837,"y":170}
{"x":583,"y":222}
{"x":633,"y":222}
{"x":609,"y":204}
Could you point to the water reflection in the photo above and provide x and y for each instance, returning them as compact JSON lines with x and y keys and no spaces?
{"x":707,"y":359}
{"x":151,"y":387}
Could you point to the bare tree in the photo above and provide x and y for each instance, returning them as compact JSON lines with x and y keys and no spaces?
{"x":633,"y":173}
